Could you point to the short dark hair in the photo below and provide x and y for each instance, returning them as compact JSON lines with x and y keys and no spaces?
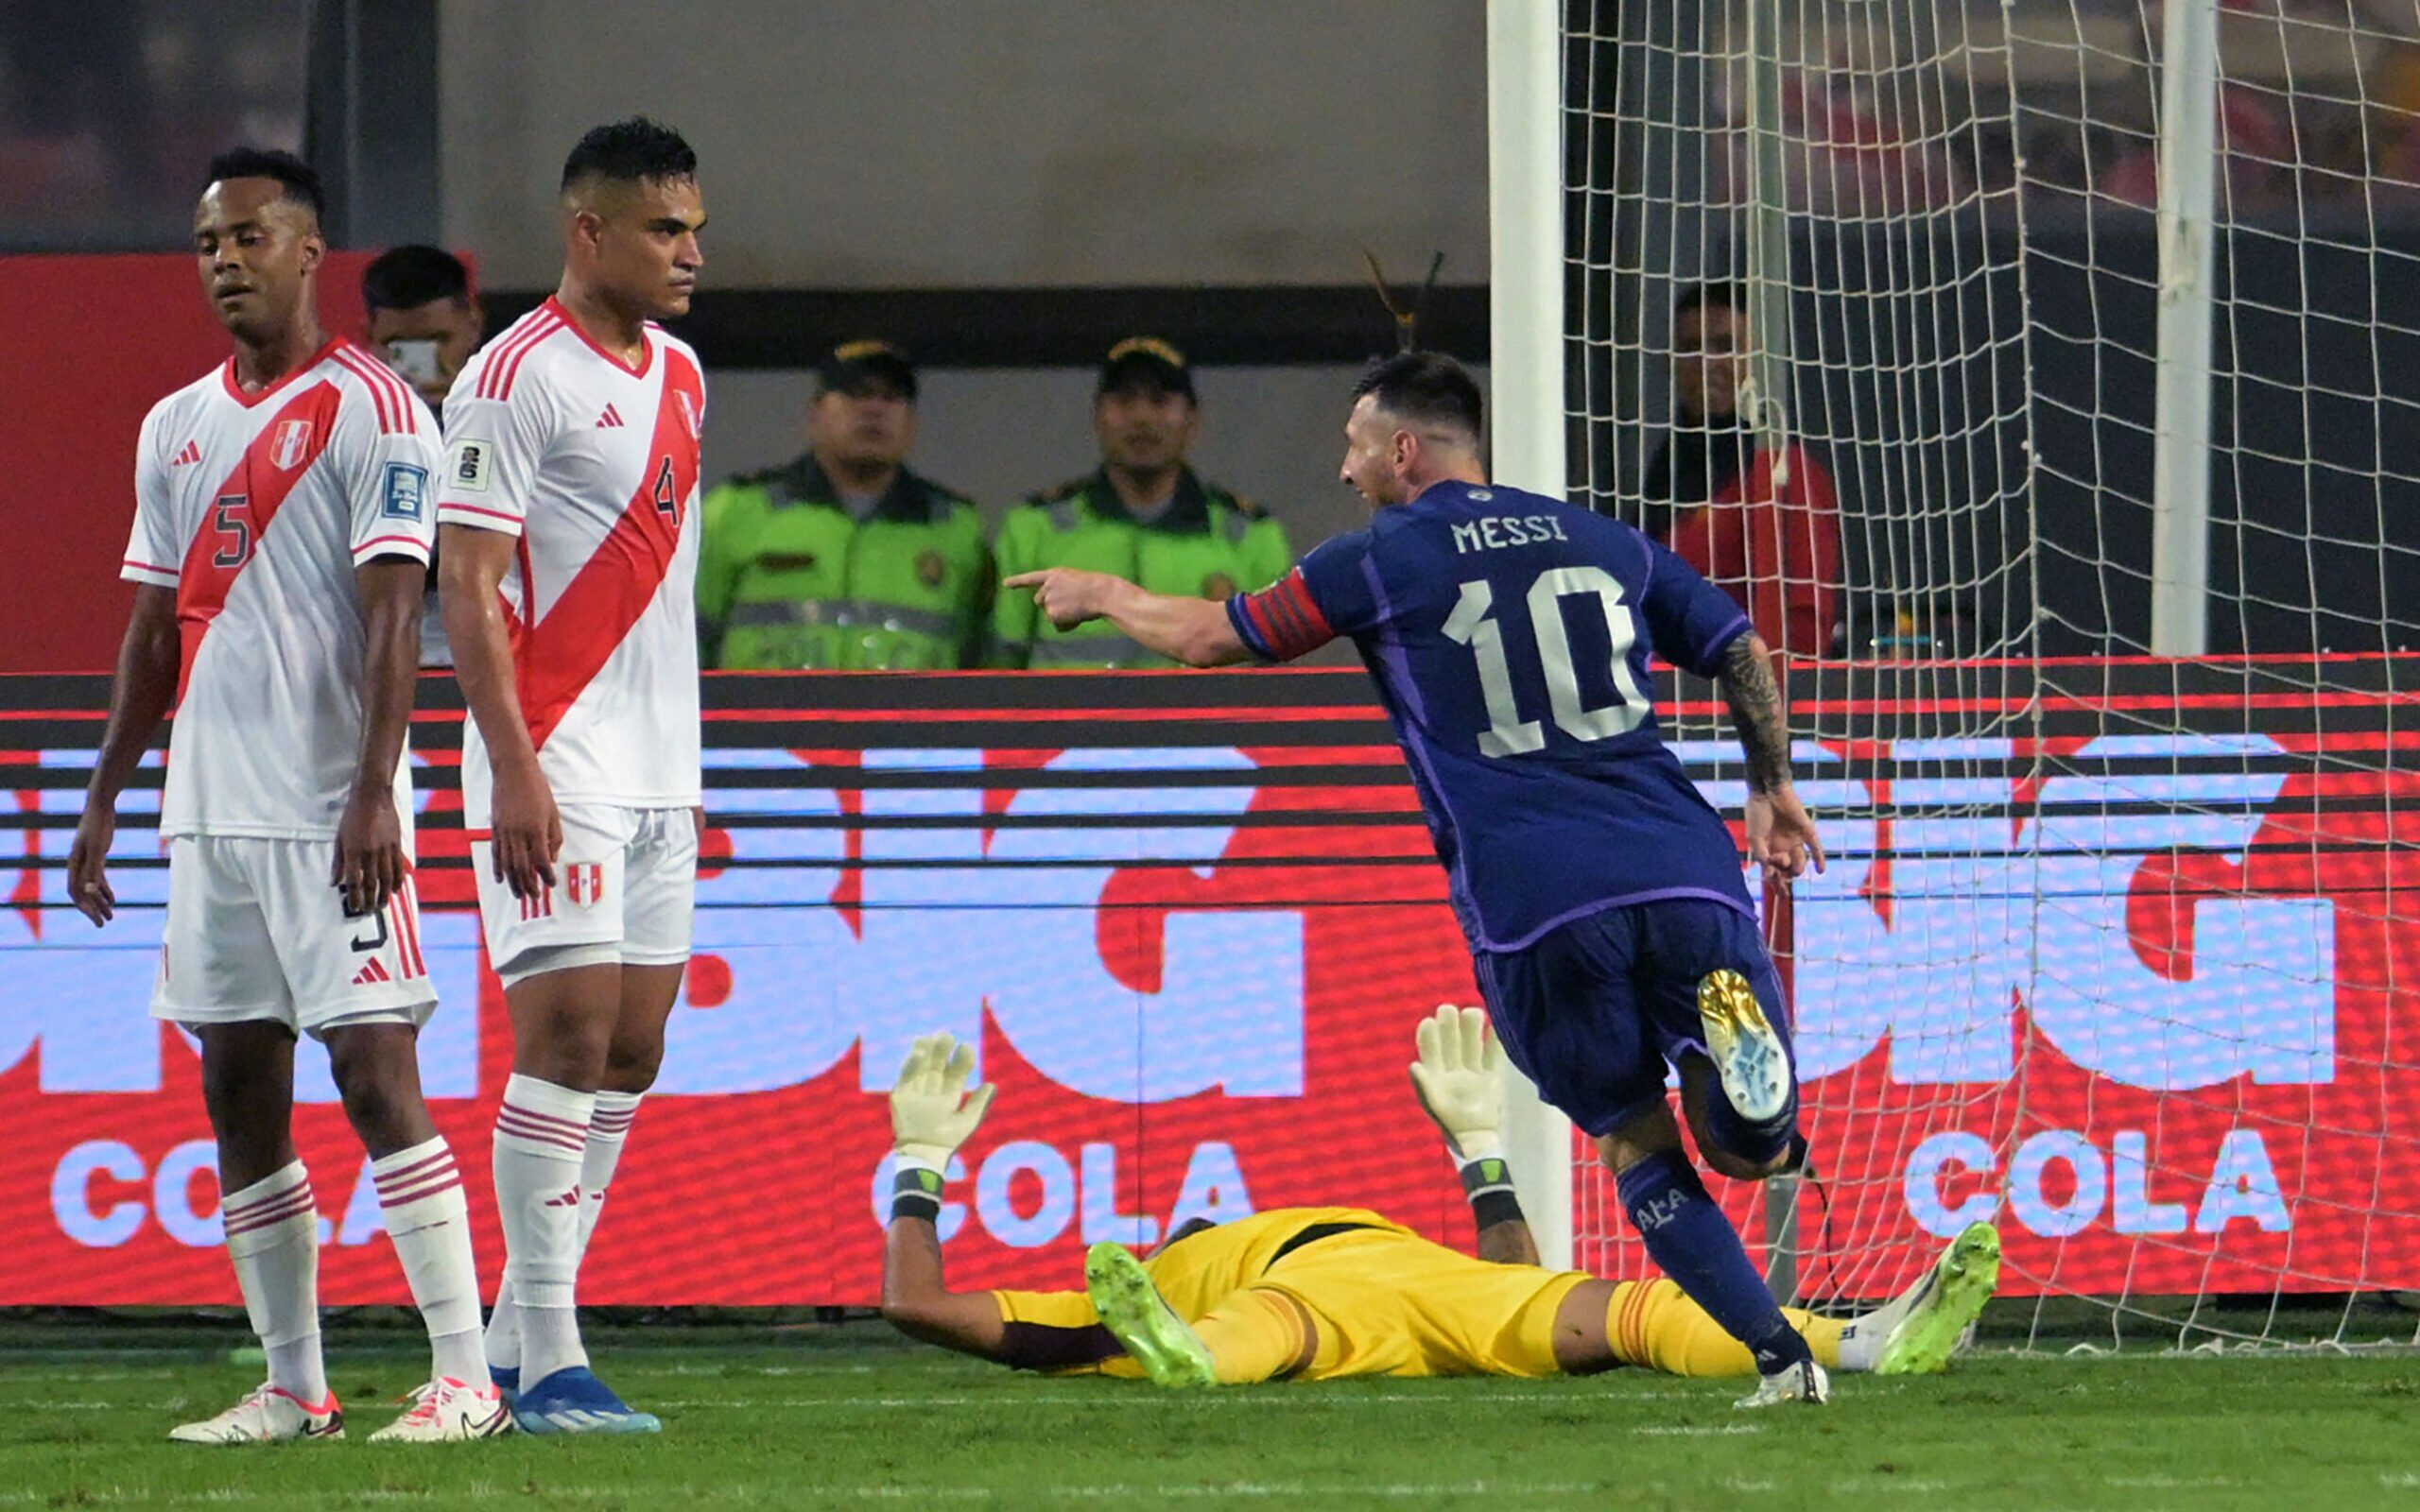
{"x":1426,"y":387}
{"x":630,"y":151}
{"x":300,"y":180}
{"x":406,"y":278}
{"x":1190,"y":1227}
{"x":1728,"y":294}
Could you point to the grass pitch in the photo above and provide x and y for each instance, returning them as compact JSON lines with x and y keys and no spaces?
{"x":850,"y":1417}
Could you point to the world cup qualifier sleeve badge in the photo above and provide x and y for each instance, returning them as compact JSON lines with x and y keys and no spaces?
{"x":584,"y":882}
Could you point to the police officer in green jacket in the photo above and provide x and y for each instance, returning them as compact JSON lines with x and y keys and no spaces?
{"x":1144,"y":515}
{"x":844,"y":558}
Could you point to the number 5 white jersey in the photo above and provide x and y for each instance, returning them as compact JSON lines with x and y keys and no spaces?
{"x":256,"y":508}
{"x":594,"y":464}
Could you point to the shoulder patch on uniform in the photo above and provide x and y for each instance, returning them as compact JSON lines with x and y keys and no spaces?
{"x":468,"y":468}
{"x":407,"y":490}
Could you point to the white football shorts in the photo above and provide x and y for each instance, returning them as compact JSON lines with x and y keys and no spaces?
{"x":627,"y":881}
{"x":257,"y":932}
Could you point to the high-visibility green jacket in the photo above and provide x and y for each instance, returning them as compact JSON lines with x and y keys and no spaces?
{"x":789,"y":578}
{"x":1208,"y":542}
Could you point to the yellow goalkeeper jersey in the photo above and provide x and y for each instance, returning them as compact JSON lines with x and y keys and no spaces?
{"x":1385,"y":1300}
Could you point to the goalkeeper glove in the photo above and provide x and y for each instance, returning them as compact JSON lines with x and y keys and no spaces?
{"x":1459,"y":1077}
{"x":931,"y":1113}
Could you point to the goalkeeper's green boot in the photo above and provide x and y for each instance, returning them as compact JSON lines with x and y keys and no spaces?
{"x":1944,"y":1306}
{"x":1133,"y":1310}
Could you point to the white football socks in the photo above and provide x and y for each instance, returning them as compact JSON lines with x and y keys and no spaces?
{"x":421,"y":1193}
{"x":273,"y":1236}
{"x":540,"y":1137}
{"x":609,"y":1129}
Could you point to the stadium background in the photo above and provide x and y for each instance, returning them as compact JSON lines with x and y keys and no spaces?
{"x":1006,"y":190}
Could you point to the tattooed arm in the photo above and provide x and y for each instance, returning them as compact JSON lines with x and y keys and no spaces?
{"x":1781,"y":836}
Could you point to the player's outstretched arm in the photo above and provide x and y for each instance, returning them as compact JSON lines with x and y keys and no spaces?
{"x":525,"y":831}
{"x":931,"y":1115}
{"x":1781,"y":836}
{"x":145,"y":684}
{"x":1459,"y":1077}
{"x":1195,"y":631}
{"x":370,"y":860}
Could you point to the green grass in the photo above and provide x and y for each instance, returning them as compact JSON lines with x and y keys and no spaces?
{"x":850,"y":1416}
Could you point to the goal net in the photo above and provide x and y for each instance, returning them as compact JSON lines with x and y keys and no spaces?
{"x":2090,"y":332}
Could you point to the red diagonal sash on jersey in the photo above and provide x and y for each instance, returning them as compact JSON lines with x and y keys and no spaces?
{"x":227,"y":544}
{"x":558,"y":656}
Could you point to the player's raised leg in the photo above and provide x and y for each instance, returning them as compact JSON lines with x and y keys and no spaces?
{"x":1585,"y":1012}
{"x":1726,"y":1025}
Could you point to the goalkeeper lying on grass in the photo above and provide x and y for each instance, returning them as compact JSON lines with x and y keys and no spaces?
{"x":1327,"y":1293}
{"x":1318,"y":1294}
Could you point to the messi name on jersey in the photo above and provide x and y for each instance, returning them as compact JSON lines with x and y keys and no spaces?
{"x":1496,"y":531}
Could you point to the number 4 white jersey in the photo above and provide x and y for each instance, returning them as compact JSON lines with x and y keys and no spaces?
{"x":594,"y":464}
{"x":256,"y":508}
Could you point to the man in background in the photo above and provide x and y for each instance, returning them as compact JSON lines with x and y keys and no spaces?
{"x":1761,"y":524}
{"x":1144,"y":516}
{"x":425,"y":322}
{"x":423,"y":318}
{"x":842,"y":559}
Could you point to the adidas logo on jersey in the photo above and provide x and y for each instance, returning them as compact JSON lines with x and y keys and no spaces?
{"x":186,"y":457}
{"x":610,"y":418}
{"x":372,"y":974}
{"x":564,"y":1199}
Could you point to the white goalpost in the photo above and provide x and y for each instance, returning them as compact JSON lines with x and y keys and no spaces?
{"x":1526,"y":430}
{"x":2095,"y":325}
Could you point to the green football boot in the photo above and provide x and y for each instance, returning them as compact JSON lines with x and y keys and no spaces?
{"x":1938,"y":1312}
{"x":1133,"y":1310}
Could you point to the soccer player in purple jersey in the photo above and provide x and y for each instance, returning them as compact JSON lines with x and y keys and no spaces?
{"x":1602,"y":896}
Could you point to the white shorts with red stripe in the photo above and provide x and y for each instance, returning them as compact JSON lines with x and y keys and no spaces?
{"x":626,"y":878}
{"x":256,"y":930}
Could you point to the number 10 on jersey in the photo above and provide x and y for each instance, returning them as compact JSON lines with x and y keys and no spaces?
{"x":1473,"y":624}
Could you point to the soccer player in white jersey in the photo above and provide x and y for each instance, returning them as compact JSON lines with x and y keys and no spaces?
{"x":567,"y":512}
{"x":283,"y":521}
